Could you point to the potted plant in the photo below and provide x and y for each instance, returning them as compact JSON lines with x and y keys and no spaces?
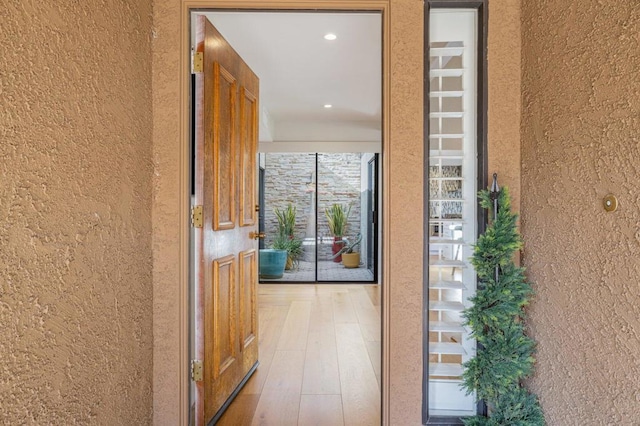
{"x":286,"y":220}
{"x":497,"y":318}
{"x":286,"y":240}
{"x":350,"y":257}
{"x":337,"y":216}
{"x":293,"y":247}
{"x":272,"y":263}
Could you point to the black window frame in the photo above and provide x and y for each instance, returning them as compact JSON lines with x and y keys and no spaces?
{"x":482,"y":7}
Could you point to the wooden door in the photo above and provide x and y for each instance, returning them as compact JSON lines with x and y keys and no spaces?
{"x":226,"y":98}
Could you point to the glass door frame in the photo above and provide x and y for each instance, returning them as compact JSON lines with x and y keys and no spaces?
{"x":482,"y":171}
{"x":373,"y":195}
{"x":377,"y":185}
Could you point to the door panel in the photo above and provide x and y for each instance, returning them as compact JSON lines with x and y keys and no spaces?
{"x":247,"y":307}
{"x":224,"y":128}
{"x":221,"y":348}
{"x":224,"y":345}
{"x":226,"y":106}
{"x":248,"y":134}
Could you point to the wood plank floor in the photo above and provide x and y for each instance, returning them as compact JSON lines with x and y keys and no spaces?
{"x":319,"y":358}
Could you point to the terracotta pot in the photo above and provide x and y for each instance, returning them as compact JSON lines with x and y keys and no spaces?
{"x":336,"y":247}
{"x":351,"y":260}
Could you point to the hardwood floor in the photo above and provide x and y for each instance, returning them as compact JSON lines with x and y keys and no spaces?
{"x":319,"y":358}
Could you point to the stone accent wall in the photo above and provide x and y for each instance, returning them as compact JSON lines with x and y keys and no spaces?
{"x":290,"y":178}
{"x":338,"y":182}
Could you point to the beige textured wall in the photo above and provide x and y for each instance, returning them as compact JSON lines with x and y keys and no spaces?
{"x":166,"y":213}
{"x":75,"y":207}
{"x":581,"y":127}
{"x":404,"y":212}
{"x":504,"y":95}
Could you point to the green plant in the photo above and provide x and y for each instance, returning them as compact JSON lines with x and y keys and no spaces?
{"x":292,"y":245}
{"x":286,"y":220}
{"x":280,"y":242}
{"x":337,"y":216}
{"x":497,"y":320}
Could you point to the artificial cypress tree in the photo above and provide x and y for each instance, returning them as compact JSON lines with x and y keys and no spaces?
{"x":496,"y":320}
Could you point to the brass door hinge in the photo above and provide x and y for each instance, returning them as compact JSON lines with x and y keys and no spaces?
{"x":196,"y":216}
{"x":196,"y":370}
{"x":198,"y":62}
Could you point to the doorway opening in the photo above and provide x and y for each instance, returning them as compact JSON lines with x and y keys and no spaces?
{"x":333,"y":107}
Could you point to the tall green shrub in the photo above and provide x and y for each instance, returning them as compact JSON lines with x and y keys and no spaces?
{"x":497,"y":321}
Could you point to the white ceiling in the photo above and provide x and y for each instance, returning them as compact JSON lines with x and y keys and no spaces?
{"x":300,"y":72}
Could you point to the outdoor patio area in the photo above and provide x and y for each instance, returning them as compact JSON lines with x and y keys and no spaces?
{"x":328,"y":271}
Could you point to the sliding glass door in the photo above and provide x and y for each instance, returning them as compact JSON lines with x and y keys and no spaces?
{"x":328,"y":198}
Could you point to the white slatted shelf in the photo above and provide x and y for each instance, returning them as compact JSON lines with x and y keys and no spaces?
{"x":446,"y":327}
{"x":446,"y":114}
{"x":452,"y":221}
{"x":446,"y":306}
{"x":446,"y":51}
{"x":436,"y":221}
{"x":445,"y":369}
{"x":446,"y":136}
{"x":451,"y":72}
{"x":446,"y":94}
{"x":448,"y":263}
{"x":438,"y":241}
{"x":445,"y":157}
{"x":446,"y":348}
{"x":447,"y":285}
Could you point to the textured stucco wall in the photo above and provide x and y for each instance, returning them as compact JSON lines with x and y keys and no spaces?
{"x":581,"y":127}
{"x":166,"y":224}
{"x":504,"y":95}
{"x":404,"y":211}
{"x":75,"y":212}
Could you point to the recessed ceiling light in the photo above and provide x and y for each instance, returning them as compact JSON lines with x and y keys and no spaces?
{"x":328,"y":105}
{"x":330,"y":36}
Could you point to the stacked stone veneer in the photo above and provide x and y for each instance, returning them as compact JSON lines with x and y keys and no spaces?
{"x":291,"y":178}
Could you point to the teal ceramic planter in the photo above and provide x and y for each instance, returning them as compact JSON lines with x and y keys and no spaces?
{"x":272,"y":263}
